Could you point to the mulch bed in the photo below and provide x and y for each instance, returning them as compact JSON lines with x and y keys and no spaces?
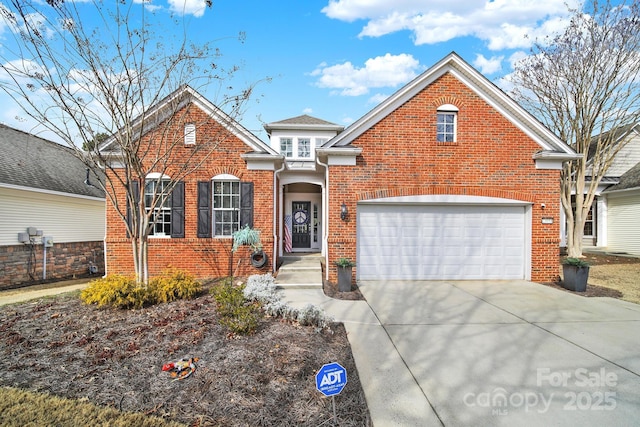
{"x":331,"y":290}
{"x":114,"y":358}
{"x":596,"y":259}
{"x":592,"y":291}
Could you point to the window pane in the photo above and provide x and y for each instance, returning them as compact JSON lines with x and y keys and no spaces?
{"x":226,"y":207}
{"x":160,"y":214}
{"x":446,"y":127}
{"x":304,"y":147}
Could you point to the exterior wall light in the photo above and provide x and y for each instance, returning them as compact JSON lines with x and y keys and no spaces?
{"x":343,"y":212}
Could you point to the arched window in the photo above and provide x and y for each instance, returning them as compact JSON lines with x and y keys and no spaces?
{"x":446,"y":123}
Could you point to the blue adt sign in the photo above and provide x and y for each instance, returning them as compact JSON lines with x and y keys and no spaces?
{"x":331,"y":379}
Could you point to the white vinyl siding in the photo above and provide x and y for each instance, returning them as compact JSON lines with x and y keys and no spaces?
{"x":440,"y":242}
{"x":66,"y":219}
{"x":627,"y":157}
{"x":623,"y":219}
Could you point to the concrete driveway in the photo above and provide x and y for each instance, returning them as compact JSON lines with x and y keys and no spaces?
{"x":510,"y":353}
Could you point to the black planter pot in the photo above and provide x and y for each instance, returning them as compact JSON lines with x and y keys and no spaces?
{"x":575,"y":278}
{"x":259,"y":259}
{"x":344,"y":279}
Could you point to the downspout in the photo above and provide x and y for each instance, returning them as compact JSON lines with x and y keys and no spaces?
{"x":275,"y":215}
{"x":325,"y":217}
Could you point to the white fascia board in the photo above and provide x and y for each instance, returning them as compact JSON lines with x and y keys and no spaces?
{"x":232,"y":125}
{"x":340,"y":156}
{"x":619,"y":192}
{"x":205,"y":105}
{"x":260,"y":161}
{"x":51,"y":192}
{"x":553,"y":159}
{"x":506,"y":106}
{"x":489,"y":92}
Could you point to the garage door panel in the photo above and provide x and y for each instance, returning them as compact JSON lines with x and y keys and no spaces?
{"x":441,"y":242}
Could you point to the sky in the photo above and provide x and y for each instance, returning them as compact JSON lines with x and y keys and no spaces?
{"x":337,"y":59}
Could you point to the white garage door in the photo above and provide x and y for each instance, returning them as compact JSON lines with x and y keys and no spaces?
{"x":436,"y":242}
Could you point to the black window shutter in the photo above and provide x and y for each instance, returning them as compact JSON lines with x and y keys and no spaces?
{"x":177,"y":210}
{"x":204,"y":209}
{"x":246,"y":204}
{"x":130,"y":212}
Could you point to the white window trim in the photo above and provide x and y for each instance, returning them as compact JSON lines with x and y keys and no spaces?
{"x":222,"y":178}
{"x":156,"y":176}
{"x":448,"y":109}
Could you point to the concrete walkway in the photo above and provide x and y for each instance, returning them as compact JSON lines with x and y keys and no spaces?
{"x":490,"y":353}
{"x":13,"y":296}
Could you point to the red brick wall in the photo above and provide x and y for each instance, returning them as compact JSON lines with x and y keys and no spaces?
{"x":490,"y":158}
{"x":219,"y":152}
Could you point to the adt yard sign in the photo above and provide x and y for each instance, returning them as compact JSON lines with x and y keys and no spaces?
{"x":331,"y":379}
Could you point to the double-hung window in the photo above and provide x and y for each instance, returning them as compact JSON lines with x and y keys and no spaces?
{"x":157,"y":202}
{"x":286,"y":147}
{"x":446,"y":123}
{"x":226,"y":206}
{"x":304,"y":148}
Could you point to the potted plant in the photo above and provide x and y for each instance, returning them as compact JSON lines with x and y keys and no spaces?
{"x":576,"y":274}
{"x":345,"y":266}
{"x":250,"y":237}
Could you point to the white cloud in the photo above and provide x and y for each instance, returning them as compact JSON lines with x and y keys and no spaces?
{"x":488,"y":66}
{"x":382,"y":71}
{"x":307,"y":111}
{"x":188,"y":7}
{"x":148,"y":4}
{"x":500,"y":23}
{"x":378,"y":98}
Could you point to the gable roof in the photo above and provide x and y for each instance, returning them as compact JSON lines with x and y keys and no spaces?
{"x":549,"y":143}
{"x":28,"y":161}
{"x":181,"y":97}
{"x":303,"y":122}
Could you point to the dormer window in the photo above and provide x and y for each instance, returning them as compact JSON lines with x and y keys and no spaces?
{"x":286,"y":147}
{"x":297,"y":148}
{"x":446,"y":123}
{"x":304,"y":147}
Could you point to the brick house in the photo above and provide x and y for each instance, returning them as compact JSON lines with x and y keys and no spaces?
{"x":448,"y":178}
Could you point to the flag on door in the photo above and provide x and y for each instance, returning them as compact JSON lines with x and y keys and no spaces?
{"x":287,"y":233}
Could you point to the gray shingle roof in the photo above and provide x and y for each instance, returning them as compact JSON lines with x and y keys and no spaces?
{"x":304,"y":120}
{"x":29,"y":161}
{"x":630,"y":179}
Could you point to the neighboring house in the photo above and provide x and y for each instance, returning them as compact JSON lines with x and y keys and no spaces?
{"x":612,"y":222}
{"x":448,"y":178}
{"x":43,"y":195}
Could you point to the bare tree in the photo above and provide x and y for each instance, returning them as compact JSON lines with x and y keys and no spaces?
{"x":83,"y":82}
{"x":582,"y":84}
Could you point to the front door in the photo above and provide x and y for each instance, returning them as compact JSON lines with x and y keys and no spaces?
{"x":301,"y":230}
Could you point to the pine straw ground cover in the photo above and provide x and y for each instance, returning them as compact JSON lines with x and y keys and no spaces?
{"x":612,"y":276}
{"x":113,"y":358}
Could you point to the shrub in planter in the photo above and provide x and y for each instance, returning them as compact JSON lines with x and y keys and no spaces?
{"x":345,"y":266}
{"x":576,"y":274}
